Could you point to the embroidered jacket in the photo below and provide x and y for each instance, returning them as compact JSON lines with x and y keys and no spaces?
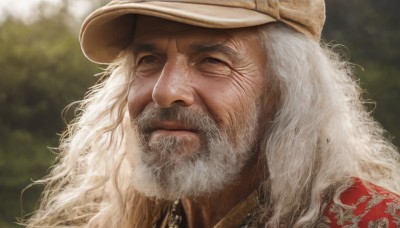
{"x":363,"y":205}
{"x":368,"y":205}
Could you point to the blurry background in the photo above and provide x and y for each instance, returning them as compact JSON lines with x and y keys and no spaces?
{"x":42,"y":70}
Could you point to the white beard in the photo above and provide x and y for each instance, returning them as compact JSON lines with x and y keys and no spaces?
{"x":161,"y":173}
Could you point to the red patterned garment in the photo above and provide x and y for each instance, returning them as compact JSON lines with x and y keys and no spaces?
{"x":368,"y":206}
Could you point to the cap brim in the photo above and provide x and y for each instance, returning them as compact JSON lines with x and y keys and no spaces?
{"x":110,"y":29}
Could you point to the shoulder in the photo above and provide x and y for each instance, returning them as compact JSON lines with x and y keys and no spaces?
{"x":364,"y":205}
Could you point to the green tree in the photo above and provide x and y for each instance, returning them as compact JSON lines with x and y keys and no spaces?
{"x":370,"y":31}
{"x":42,"y":70}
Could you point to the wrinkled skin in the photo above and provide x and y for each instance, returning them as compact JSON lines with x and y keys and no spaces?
{"x":220,"y":72}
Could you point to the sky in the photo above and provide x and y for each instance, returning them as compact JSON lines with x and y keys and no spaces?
{"x":26,"y":9}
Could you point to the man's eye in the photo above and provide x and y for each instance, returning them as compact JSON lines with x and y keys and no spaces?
{"x":148,"y":59}
{"x":212,"y":60}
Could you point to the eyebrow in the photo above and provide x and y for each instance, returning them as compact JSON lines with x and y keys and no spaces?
{"x":214,"y":47}
{"x":144,"y":47}
{"x":194,"y":48}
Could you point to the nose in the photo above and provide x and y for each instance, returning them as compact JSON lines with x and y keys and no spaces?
{"x":173,"y":86}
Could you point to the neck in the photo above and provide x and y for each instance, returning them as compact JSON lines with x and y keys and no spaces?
{"x":209,"y":210}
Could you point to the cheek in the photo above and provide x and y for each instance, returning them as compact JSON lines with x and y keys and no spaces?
{"x":229,"y":101}
{"x":140,"y":95}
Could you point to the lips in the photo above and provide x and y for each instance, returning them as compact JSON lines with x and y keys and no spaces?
{"x":173,"y":137}
{"x":170,"y":126}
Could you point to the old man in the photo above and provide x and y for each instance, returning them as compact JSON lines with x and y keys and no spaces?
{"x":219,"y":113}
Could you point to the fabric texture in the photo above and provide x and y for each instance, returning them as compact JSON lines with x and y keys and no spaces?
{"x":363,"y":204}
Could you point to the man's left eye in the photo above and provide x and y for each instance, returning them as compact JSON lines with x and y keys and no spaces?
{"x":212,"y":60}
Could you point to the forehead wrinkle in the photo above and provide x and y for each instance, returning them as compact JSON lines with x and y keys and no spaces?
{"x":173,"y":44}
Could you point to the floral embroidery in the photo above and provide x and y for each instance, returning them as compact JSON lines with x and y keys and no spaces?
{"x":381,"y":223}
{"x":393,"y":209}
{"x":342,"y":215}
{"x":363,"y":205}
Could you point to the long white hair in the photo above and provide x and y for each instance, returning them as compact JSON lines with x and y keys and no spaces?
{"x":320,"y":138}
{"x":322,"y":134}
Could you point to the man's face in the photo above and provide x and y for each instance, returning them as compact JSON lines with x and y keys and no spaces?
{"x":195,"y":102}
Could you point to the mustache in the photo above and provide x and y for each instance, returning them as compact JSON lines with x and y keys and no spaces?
{"x":192,"y":119}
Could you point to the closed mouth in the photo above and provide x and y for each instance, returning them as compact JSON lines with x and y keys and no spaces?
{"x":170,"y":126}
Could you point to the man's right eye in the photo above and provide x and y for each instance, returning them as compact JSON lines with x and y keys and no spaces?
{"x":148,"y":59}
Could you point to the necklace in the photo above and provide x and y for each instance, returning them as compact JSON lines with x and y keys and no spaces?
{"x":175,"y":218}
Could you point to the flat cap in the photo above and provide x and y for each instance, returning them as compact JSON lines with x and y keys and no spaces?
{"x":110,"y":29}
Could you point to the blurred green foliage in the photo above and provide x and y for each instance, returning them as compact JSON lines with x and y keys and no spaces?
{"x":370,"y":31}
{"x":42,"y":70}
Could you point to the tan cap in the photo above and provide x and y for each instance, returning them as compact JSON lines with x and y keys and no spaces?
{"x":109,"y":29}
